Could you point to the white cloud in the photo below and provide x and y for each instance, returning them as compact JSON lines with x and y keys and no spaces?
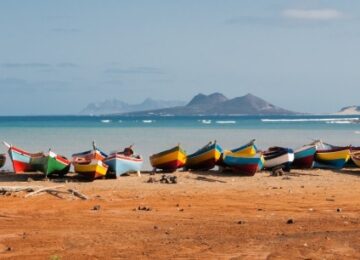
{"x":313,"y":14}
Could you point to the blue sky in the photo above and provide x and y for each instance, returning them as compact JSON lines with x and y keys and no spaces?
{"x":57,"y":56}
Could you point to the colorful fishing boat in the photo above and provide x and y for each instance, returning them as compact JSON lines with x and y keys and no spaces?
{"x":278,"y":157}
{"x":329,"y":156}
{"x":2,"y":160}
{"x":124,"y":162}
{"x":304,"y":157}
{"x":169,"y":160}
{"x":204,"y":158}
{"x":242,"y":164}
{"x":248,"y":149}
{"x":91,"y":169}
{"x":21,"y":160}
{"x":50,"y":163}
{"x":90,"y":163}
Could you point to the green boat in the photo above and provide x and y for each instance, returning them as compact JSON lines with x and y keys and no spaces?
{"x":51,"y":163}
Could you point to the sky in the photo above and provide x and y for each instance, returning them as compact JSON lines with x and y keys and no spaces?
{"x":58,"y":56}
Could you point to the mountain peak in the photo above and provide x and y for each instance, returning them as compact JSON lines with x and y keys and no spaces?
{"x":204,"y":100}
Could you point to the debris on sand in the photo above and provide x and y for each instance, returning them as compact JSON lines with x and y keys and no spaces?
{"x":290,"y":221}
{"x":96,"y":207}
{"x":338,"y":209}
{"x":168,"y":179}
{"x":144,"y":208}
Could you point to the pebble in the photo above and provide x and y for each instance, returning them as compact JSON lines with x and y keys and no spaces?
{"x":338,"y":210}
{"x":96,"y":207}
{"x":290,"y":221}
{"x":156,"y":227}
{"x":241,"y":222}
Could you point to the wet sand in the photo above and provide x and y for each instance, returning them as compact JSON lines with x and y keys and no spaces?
{"x":205,"y":215}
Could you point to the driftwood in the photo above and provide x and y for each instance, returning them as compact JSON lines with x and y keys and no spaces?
{"x":36,"y":190}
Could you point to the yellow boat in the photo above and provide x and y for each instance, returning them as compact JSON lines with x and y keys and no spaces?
{"x":333,"y":158}
{"x":169,"y":160}
{"x":205,"y":158}
{"x":91,"y":169}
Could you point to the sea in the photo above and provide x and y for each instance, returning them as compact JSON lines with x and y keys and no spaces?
{"x":152,"y":134}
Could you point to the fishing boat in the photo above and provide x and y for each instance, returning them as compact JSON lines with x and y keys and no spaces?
{"x":21,"y":160}
{"x":2,"y":159}
{"x":91,"y":169}
{"x":248,"y":149}
{"x":304,"y":157}
{"x":169,"y":160}
{"x":244,"y":164}
{"x":355,"y":156}
{"x":90,"y":163}
{"x":278,"y":157}
{"x":329,"y":156}
{"x":204,"y":158}
{"x":124,"y":162}
{"x":50,"y":163}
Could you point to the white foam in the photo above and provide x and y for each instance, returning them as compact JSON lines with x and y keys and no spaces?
{"x":207,"y":122}
{"x":226,"y":122}
{"x":106,"y":121}
{"x":357,"y":132}
{"x":147,"y":121}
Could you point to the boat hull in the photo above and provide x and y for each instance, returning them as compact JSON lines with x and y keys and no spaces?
{"x":304,"y":157}
{"x":169,"y":160}
{"x":2,"y":160}
{"x":333,"y":159}
{"x":243,"y":165}
{"x":21,"y":160}
{"x":204,"y":159}
{"x":51,"y":164}
{"x":91,"y":170}
{"x":281,"y":158}
{"x":121,"y":164}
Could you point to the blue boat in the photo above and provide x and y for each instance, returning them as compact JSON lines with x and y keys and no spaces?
{"x":245,"y":165}
{"x":124,"y":162}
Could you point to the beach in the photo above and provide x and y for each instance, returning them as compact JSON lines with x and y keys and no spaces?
{"x":308,"y":214}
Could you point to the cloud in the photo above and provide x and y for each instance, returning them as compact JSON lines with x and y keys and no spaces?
{"x":313,"y":14}
{"x":12,"y":65}
{"x":16,"y":85}
{"x":135,"y":70}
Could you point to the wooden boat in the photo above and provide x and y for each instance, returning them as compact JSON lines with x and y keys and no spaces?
{"x":329,"y":156}
{"x":248,"y":149}
{"x":304,"y":157}
{"x":50,"y":163}
{"x":278,"y":157}
{"x":204,"y":158}
{"x":124,"y":162}
{"x":244,"y":165}
{"x":169,"y":160}
{"x":2,"y":160}
{"x":355,"y":156}
{"x":91,"y":169}
{"x":21,"y":160}
{"x":90,"y":163}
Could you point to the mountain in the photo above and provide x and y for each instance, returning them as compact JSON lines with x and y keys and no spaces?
{"x":218,"y":104}
{"x":350,"y":110}
{"x":116,"y":106}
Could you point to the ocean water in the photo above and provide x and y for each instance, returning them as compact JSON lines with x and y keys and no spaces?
{"x":71,"y":134}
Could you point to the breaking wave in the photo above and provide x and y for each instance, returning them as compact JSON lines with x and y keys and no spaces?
{"x":350,"y":120}
{"x":226,"y":122}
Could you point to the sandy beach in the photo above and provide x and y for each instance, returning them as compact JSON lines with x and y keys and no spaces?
{"x":308,"y":214}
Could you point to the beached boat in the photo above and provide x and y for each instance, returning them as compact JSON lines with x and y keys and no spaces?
{"x":124,"y":162}
{"x":91,"y":169}
{"x":329,"y":156}
{"x":304,"y":157}
{"x":204,"y":158}
{"x":243,"y":164}
{"x":21,"y":160}
{"x":278,"y":157}
{"x":355,"y":156}
{"x":90,"y":163}
{"x":169,"y":160}
{"x":50,"y":163}
{"x":248,"y":149}
{"x":2,"y":160}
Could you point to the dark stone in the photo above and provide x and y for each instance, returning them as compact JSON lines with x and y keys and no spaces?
{"x":290,"y":221}
{"x":96,"y":207}
{"x":338,"y":210}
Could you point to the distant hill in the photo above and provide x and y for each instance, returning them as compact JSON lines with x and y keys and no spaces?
{"x":350,"y":110}
{"x":218,"y":104}
{"x":116,"y":106}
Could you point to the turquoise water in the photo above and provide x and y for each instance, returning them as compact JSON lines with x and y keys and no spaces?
{"x":70,"y":134}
